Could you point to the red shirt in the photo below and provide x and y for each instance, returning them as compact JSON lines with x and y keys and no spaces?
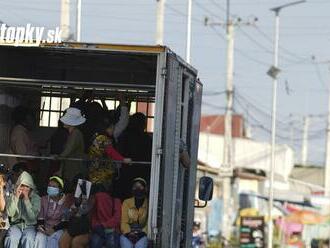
{"x":113,"y":153}
{"x":106,"y":211}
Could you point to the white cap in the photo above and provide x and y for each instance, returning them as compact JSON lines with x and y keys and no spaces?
{"x":73,"y":117}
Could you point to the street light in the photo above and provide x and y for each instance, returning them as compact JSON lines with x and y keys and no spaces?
{"x":273,"y":72}
{"x":188,"y":39}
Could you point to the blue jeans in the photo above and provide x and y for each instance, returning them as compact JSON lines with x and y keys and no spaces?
{"x":23,"y":237}
{"x":42,"y":240}
{"x":126,"y":243}
{"x":110,"y":240}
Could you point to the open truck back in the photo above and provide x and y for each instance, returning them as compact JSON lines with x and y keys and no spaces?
{"x":158,"y":82}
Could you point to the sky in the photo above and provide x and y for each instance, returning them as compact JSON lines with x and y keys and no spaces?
{"x":304,"y":52}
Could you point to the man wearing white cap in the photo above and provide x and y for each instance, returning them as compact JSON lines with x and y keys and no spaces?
{"x":74,"y":147}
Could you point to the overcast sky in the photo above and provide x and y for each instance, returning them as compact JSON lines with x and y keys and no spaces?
{"x":305,"y":32}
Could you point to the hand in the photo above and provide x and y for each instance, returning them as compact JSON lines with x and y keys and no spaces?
{"x":26,"y":194}
{"x":74,"y":210}
{"x":18,"y":193}
{"x":127,"y":160}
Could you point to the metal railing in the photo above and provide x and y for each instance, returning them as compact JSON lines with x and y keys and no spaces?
{"x":59,"y":158}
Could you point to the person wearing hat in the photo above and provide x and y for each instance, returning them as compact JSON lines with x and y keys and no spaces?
{"x":22,"y":208}
{"x":51,"y":218}
{"x":134,"y":217}
{"x":74,"y":147}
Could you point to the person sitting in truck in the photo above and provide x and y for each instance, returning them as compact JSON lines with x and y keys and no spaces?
{"x":77,"y":233}
{"x":14,"y":174}
{"x":74,"y":147}
{"x":4,"y":222}
{"x":134,"y":217}
{"x":51,"y":218}
{"x":22,"y":208}
{"x":105,"y":219}
{"x":21,"y":141}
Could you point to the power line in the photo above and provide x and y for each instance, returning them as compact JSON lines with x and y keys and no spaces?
{"x":213,"y":105}
{"x":319,"y":76}
{"x":317,"y":135}
{"x":215,"y":93}
{"x":248,"y":106}
{"x":299,"y":58}
{"x":240,"y":51}
{"x":200,"y":6}
{"x":266,"y":49}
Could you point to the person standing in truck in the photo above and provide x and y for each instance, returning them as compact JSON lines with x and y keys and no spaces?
{"x":22,"y":208}
{"x":21,"y":141}
{"x":102,"y":149}
{"x":74,"y":147}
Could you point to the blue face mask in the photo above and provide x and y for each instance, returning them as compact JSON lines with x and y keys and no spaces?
{"x":53,"y":191}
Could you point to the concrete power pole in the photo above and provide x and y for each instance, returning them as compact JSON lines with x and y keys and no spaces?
{"x":304,"y":147}
{"x":160,"y":22}
{"x":228,"y":163}
{"x":78,"y":23}
{"x":327,"y":159}
{"x":188,"y":39}
{"x":65,"y":19}
{"x":226,"y":169}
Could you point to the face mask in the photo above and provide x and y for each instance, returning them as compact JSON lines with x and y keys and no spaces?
{"x":138,"y":193}
{"x":53,"y":191}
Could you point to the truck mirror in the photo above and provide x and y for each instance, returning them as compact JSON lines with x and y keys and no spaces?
{"x":205,"y":192}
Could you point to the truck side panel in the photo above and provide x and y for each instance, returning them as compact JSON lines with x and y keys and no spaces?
{"x":190,"y":179}
{"x":170,"y":154}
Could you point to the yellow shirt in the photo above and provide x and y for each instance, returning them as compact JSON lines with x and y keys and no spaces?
{"x":131,"y":215}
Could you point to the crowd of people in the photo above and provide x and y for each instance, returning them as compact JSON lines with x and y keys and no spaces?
{"x":60,"y":219}
{"x":88,"y":144}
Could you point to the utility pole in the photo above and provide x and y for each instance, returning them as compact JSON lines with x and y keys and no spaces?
{"x":188,"y":39}
{"x":160,"y":22}
{"x":65,"y":19}
{"x":78,"y":23}
{"x":304,"y":147}
{"x":327,"y":159}
{"x":226,"y":169}
{"x":228,"y":163}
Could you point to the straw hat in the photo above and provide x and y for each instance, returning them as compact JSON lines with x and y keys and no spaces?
{"x":73,"y":117}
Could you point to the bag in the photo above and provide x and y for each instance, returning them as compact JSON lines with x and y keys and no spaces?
{"x":78,"y":225}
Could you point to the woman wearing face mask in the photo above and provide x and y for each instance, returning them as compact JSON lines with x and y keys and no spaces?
{"x":51,"y":219}
{"x":134,"y":217}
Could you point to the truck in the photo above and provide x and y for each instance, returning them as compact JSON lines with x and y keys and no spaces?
{"x":45,"y":76}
